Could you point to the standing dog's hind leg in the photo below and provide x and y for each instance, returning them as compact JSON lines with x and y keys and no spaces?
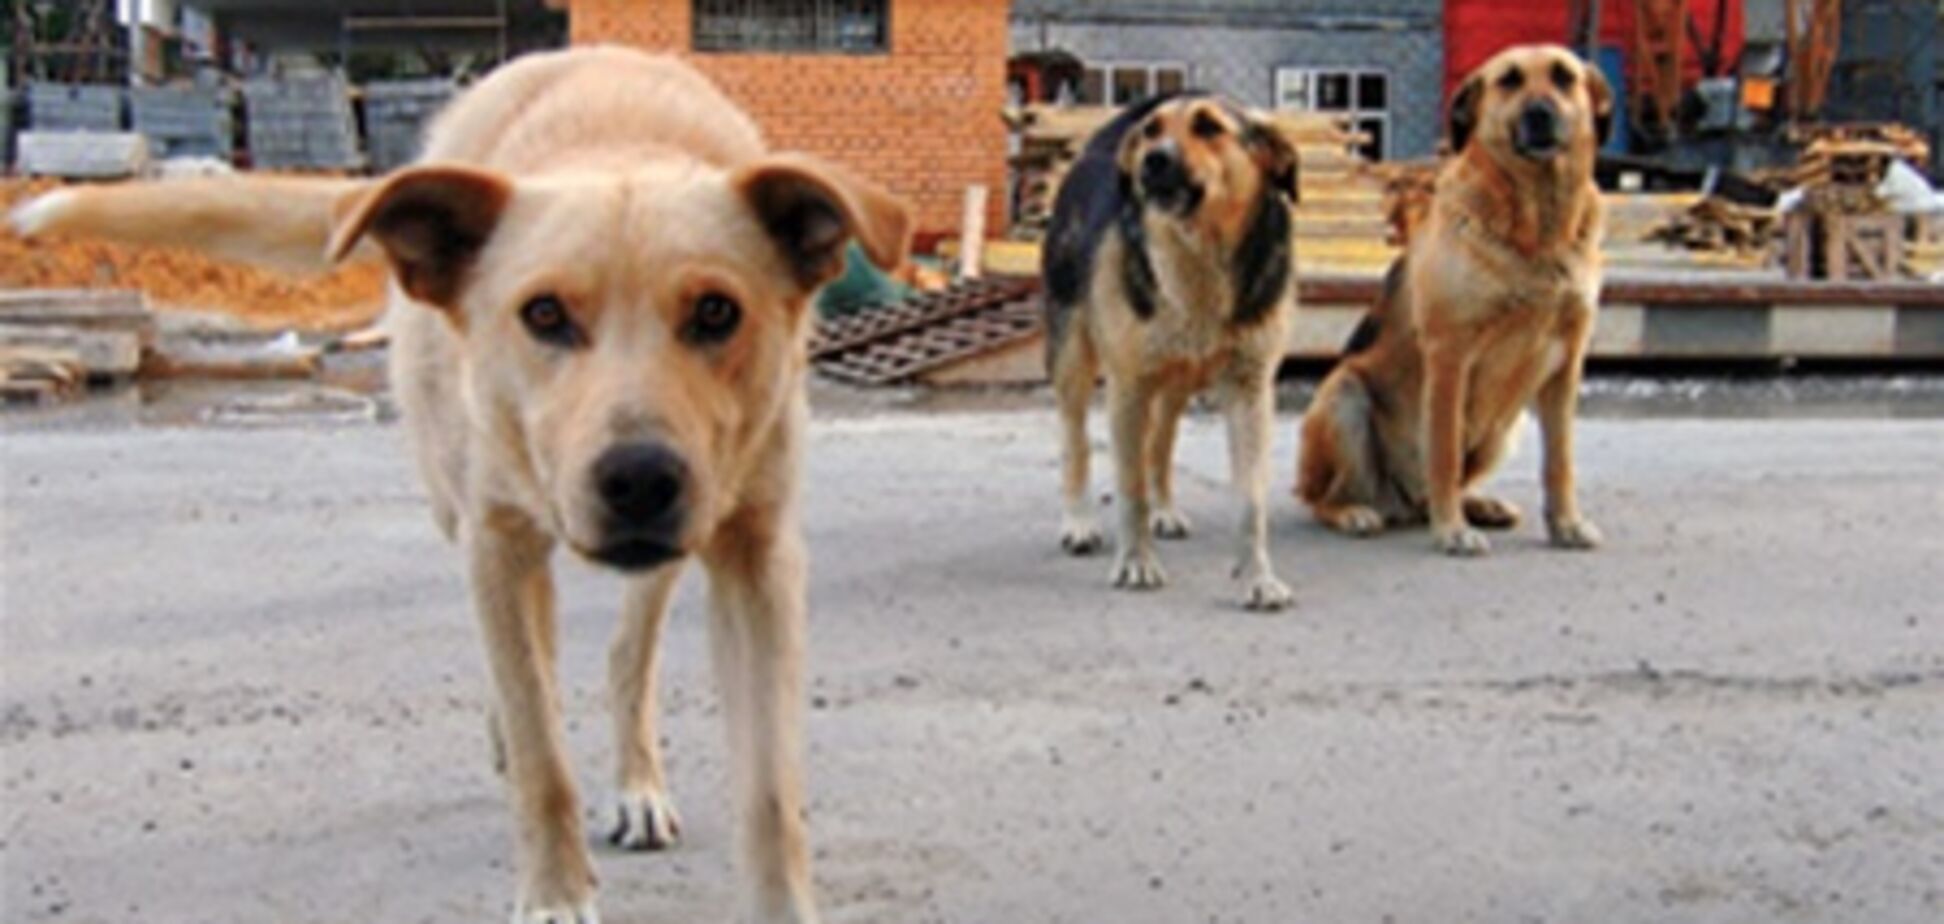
{"x":1251,"y":412}
{"x":1073,"y":380}
{"x":645,"y":817}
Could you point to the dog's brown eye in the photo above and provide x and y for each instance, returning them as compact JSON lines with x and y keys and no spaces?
{"x":1562,"y":76}
{"x":546,"y":318}
{"x":1511,"y":80}
{"x":1152,"y":129}
{"x":1207,"y":126}
{"x":714,"y":318}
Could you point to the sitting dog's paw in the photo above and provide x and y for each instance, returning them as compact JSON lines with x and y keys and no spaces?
{"x":1266,"y":593}
{"x":1359,"y":521}
{"x":1573,"y":534}
{"x":1169,"y":524}
{"x":1138,"y":570}
{"x":1080,"y":536}
{"x":582,"y":913}
{"x":1490,"y":513}
{"x":645,"y":821}
{"x":1462,"y":541}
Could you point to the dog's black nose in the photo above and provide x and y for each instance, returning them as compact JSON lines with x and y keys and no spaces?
{"x":641,"y":484}
{"x":1161,"y":173}
{"x":1537,"y":131}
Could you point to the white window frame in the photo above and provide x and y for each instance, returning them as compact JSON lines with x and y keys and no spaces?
{"x":1293,"y":89}
{"x":1151,"y":80}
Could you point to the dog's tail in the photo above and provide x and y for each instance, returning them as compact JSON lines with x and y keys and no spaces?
{"x":284,"y":222}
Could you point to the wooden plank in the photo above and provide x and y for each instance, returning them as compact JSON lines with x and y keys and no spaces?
{"x":88,"y":309}
{"x":101,"y":354}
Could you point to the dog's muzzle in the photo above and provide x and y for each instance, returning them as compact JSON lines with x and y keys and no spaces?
{"x":1165,"y":183}
{"x":1537,"y":133}
{"x":642,"y":488}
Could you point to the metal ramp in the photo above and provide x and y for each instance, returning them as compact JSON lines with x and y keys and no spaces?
{"x":894,"y":344}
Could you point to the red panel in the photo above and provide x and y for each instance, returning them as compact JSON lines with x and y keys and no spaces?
{"x":1477,"y":29}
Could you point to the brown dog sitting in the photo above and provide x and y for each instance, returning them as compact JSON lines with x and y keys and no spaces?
{"x":600,"y":299}
{"x":1488,"y":311}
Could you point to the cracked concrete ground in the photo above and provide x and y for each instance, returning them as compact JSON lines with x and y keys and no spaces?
{"x":240,"y":684}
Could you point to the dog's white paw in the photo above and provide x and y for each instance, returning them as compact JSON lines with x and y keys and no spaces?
{"x":1359,"y":521}
{"x":1267,"y":593}
{"x":582,"y":913}
{"x":1168,"y":523}
{"x":1462,"y":541}
{"x":1573,"y":534}
{"x":645,"y":821}
{"x":1081,"y":536}
{"x":1138,"y":569}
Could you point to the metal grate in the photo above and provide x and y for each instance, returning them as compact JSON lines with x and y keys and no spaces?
{"x":842,"y":26}
{"x":895,"y":343}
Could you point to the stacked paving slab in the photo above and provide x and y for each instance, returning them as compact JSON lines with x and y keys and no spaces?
{"x":396,"y":112}
{"x":301,"y":123}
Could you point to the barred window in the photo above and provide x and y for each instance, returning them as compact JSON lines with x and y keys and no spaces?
{"x":839,"y":26}
{"x":1362,"y":96}
{"x":1118,"y":83}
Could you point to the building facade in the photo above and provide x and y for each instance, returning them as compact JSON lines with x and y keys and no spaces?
{"x":1380,"y":62}
{"x":907,"y":92}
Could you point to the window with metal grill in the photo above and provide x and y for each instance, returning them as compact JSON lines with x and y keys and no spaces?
{"x":826,"y":26}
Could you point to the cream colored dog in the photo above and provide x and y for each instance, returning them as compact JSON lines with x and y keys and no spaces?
{"x":600,"y":302}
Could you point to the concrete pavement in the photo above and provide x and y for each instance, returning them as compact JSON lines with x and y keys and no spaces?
{"x":239,"y":683}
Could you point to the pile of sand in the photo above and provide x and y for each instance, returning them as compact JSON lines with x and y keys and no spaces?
{"x":178,"y":279}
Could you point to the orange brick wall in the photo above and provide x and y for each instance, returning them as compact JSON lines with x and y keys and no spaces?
{"x":922,"y":119}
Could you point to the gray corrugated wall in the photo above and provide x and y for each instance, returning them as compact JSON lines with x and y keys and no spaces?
{"x":1241,"y":62}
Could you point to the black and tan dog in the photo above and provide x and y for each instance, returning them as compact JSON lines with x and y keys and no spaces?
{"x":1488,"y":312}
{"x":1168,"y":266}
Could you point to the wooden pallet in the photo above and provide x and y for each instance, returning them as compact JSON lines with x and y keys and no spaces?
{"x":893,"y":344}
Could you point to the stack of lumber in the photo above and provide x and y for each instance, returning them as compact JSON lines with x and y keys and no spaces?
{"x":54,"y":342}
{"x":1715,"y":223}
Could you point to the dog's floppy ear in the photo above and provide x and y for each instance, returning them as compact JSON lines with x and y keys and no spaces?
{"x":430,"y":221}
{"x":1275,"y":155}
{"x":1464,"y":111}
{"x":811,"y":208}
{"x":1601,"y":95}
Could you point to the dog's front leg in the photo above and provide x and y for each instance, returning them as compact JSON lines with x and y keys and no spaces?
{"x":645,"y":817}
{"x":1130,"y":403}
{"x":1251,"y":413}
{"x":513,"y":595}
{"x":756,"y":589}
{"x":1447,"y":371}
{"x":1557,"y":405}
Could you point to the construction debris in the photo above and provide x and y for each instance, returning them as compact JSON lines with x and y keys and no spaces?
{"x":52,"y":343}
{"x":1840,"y":227}
{"x":1716,"y":223}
